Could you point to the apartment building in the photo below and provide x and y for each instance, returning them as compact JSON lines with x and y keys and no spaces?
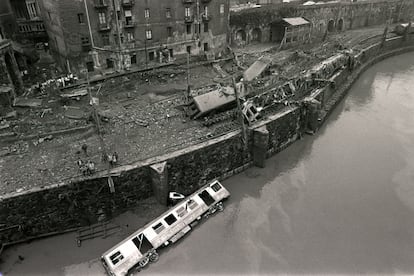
{"x":118,"y":34}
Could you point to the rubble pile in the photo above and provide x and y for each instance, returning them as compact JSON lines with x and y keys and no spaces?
{"x":140,"y":115}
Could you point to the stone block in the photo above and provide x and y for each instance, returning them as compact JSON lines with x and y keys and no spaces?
{"x":159,"y":177}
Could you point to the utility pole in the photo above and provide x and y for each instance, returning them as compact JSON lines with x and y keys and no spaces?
{"x":119,"y":35}
{"x":146,"y":51}
{"x":187,"y":95}
{"x":93,"y":53}
{"x":240,"y":114}
{"x":89,"y":24}
{"x":198,"y":19}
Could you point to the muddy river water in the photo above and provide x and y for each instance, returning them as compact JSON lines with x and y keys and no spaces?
{"x":338,"y":202}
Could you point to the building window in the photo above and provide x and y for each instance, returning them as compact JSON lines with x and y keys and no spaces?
{"x":134,"y":59}
{"x":188,"y":27}
{"x":205,"y":47}
{"x":86,"y":45}
{"x":151,"y":55}
{"x":168,"y":13}
{"x":102,"y":18}
{"x":171,"y":52}
{"x":130,"y":36}
{"x":169,"y":31}
{"x":90,"y":66}
{"x":81,"y":18}
{"x":205,"y":10}
{"x":105,"y":39}
{"x":32,"y":9}
{"x":205,"y":27}
{"x":128,"y":17}
{"x":221,"y":8}
{"x":147,"y":13}
{"x":148,"y":34}
{"x":189,"y":49}
{"x":187,"y":12}
{"x":109,"y":63}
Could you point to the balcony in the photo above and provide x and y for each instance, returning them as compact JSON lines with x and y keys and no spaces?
{"x":206,"y":17}
{"x":32,"y":28}
{"x":127,"y":3}
{"x":104,"y":27}
{"x":188,"y":2}
{"x":129,"y":24}
{"x":189,"y":18}
{"x":101,"y":4}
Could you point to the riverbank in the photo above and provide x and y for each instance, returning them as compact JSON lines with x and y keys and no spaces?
{"x":328,"y":204}
{"x":67,"y":205}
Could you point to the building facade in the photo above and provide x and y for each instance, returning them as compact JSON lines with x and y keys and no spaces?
{"x":117,"y":34}
{"x":26,"y":24}
{"x":10,"y":77}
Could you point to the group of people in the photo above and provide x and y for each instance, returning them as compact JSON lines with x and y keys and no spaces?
{"x":86,"y":168}
{"x":111,"y":158}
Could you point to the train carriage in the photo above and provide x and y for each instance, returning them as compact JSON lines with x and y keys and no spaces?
{"x":139,"y":249}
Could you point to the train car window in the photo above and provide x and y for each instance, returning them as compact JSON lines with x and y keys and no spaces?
{"x":170,"y":219}
{"x":158,"y":228}
{"x":216,"y":187}
{"x":182,"y":211}
{"x":206,"y":197}
{"x":192,"y":204}
{"x":142,"y":243}
{"x":116,"y":257}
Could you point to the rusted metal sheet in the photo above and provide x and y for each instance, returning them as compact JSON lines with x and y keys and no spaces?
{"x":256,"y":69}
{"x":215,"y":99}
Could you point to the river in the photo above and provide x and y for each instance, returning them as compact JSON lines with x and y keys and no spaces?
{"x":338,"y":202}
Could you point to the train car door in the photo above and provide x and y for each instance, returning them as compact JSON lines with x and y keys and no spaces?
{"x":206,"y":197}
{"x":142,"y":243}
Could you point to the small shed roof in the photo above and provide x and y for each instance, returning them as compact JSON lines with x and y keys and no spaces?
{"x":296,"y":21}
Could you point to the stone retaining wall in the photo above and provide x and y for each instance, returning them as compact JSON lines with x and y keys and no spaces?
{"x":83,"y":202}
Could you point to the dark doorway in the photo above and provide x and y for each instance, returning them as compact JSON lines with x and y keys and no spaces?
{"x":277,"y":30}
{"x":241,"y":36}
{"x":206,"y":197}
{"x":331,"y":25}
{"x":340,"y":26}
{"x":133,"y":59}
{"x":206,"y":47}
{"x":13,"y":74}
{"x":109,"y":63}
{"x":151,"y":56}
{"x":89,"y":66}
{"x":142,"y":243}
{"x":256,"y":35}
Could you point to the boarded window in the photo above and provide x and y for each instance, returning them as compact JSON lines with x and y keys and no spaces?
{"x":216,"y":187}
{"x":158,"y":228}
{"x":116,"y":257}
{"x":182,"y":211}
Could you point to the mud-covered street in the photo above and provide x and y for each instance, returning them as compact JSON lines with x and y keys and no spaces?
{"x":339,"y":202}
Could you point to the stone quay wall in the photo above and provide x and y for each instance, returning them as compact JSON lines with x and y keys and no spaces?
{"x":81,"y":202}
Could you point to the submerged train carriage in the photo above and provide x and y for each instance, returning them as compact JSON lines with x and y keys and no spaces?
{"x":139,"y":249}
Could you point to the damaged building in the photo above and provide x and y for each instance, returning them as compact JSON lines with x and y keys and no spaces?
{"x":10,"y":78}
{"x":108,"y":35}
